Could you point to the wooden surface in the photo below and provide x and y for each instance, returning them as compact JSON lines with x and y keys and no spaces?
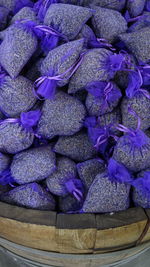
{"x":73,"y":233}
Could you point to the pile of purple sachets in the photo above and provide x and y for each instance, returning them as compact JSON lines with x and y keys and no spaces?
{"x":75,"y":104}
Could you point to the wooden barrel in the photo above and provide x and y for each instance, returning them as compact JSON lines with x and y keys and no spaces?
{"x":50,"y":232}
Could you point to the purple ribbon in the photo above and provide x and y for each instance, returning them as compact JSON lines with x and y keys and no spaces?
{"x":104,"y":43}
{"x":103,"y":138}
{"x":75,"y":187}
{"x":27,"y":119}
{"x":48,"y":36}
{"x":124,"y":129}
{"x":6,"y":178}
{"x":49,"y":30}
{"x":46,"y":85}
{"x":107,"y":90}
{"x":41,"y":7}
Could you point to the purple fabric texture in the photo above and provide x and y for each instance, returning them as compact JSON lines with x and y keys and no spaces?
{"x":143,"y":184}
{"x":75,"y":187}
{"x":118,"y":172}
{"x":22,"y":3}
{"x":41,"y":7}
{"x":75,"y":104}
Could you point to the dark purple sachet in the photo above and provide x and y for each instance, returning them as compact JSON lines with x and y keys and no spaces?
{"x":103,"y":97}
{"x":18,"y":134}
{"x":4,"y":162}
{"x":70,"y":204}
{"x":105,"y":196}
{"x":77,"y":147}
{"x":15,"y":5}
{"x":31,"y":195}
{"x":57,"y":68}
{"x":97,"y":65}
{"x":65,"y":169}
{"x":141,"y":22}
{"x":16,"y":49}
{"x":111,"y":119}
{"x":88,"y":35}
{"x":1,"y":115}
{"x":34,"y":164}
{"x":111,"y":4}
{"x":141,"y":189}
{"x":147,"y":5}
{"x":4,"y":12}
{"x":135,"y":7}
{"x":61,"y":59}
{"x":33,"y":72}
{"x":118,"y":172}
{"x":21,"y":4}
{"x":64,"y":115}
{"x":88,"y":170}
{"x":67,"y":19}
{"x":145,"y":72}
{"x":141,"y":105}
{"x":135,"y":42}
{"x":26,"y":13}
{"x":40,"y":7}
{"x":108,"y":23}
{"x":16,"y":95}
{"x":102,"y":137}
{"x":133,"y":150}
{"x":135,"y":82}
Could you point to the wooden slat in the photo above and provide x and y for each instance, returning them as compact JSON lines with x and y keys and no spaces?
{"x":122,"y":218}
{"x":27,"y":215}
{"x":120,"y":237}
{"x":76,"y":221}
{"x":73,"y":233}
{"x":30,"y":235}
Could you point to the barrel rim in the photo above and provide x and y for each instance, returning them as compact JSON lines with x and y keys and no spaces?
{"x":74,"y":221}
{"x":74,"y":233}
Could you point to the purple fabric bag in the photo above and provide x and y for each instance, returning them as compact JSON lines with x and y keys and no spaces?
{"x":31,"y":196}
{"x":141,"y":191}
{"x":23,"y":169}
{"x":18,"y":134}
{"x":105,"y":196}
{"x":103,"y":97}
{"x":16,"y":95}
{"x":133,"y":149}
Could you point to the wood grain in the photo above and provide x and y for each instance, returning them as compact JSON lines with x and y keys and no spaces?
{"x":73,"y":233}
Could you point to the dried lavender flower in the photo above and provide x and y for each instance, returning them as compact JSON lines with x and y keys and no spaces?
{"x":4,"y":12}
{"x":103,"y":97}
{"x":60,"y":59}
{"x":77,"y":147}
{"x":31,"y":195}
{"x":67,"y":19}
{"x":34,"y":164}
{"x":106,"y":196}
{"x":63,"y":115}
{"x":138,"y":43}
{"x":16,"y":49}
{"x":4,"y":162}
{"x":141,"y":189}
{"x":135,"y":7}
{"x":66,"y":169}
{"x":13,"y":138}
{"x":141,"y":105}
{"x":25,"y":13}
{"x":88,"y":170}
{"x":94,"y":67}
{"x":16,"y":95}
{"x":111,"y":27}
